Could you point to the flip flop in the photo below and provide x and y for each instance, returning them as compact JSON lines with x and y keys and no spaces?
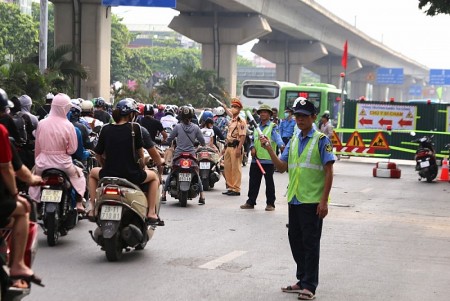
{"x":28,"y":279}
{"x":305,"y":295}
{"x":291,"y":289}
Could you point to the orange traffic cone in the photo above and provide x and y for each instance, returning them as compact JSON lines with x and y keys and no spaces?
{"x":444,"y":170}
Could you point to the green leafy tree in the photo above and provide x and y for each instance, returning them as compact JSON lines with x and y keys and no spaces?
{"x":19,"y":79}
{"x":192,"y":86}
{"x":120,"y":38}
{"x":435,"y":7}
{"x":244,"y":62}
{"x":61,"y":70}
{"x":19,"y":36}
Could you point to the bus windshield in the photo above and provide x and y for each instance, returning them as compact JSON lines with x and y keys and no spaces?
{"x":258,"y":92}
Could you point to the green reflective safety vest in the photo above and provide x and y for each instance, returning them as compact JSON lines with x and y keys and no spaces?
{"x":306,"y":173}
{"x":261,"y":153}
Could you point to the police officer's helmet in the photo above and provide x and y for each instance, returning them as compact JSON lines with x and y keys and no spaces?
{"x":127,"y":106}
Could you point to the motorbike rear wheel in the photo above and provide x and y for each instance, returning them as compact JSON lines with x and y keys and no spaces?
{"x":205,"y":184}
{"x":183,"y":198}
{"x":52,"y":229}
{"x":113,"y":247}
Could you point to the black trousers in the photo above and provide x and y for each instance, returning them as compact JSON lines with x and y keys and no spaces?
{"x":255,"y":183}
{"x":305,"y":230}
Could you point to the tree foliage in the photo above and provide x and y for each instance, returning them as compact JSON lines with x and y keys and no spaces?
{"x":192,"y":86}
{"x":19,"y":36}
{"x":435,"y":7}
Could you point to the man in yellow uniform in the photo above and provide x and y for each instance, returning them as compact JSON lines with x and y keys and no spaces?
{"x":309,"y":157}
{"x":237,"y":130}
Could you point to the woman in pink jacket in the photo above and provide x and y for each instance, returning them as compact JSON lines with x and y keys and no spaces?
{"x":56,"y":140}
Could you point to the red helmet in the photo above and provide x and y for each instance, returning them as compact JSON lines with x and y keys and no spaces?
{"x":161,"y":107}
{"x":141,"y":107}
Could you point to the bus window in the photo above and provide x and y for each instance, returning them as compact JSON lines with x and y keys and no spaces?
{"x":313,"y":97}
{"x":260,"y":92}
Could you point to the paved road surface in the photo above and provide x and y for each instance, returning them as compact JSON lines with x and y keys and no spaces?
{"x":384,"y":239}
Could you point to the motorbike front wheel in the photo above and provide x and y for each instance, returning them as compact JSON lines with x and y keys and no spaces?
{"x":52,"y":229}
{"x":113,"y":247}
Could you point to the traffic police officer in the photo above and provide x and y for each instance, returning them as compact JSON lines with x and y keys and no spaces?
{"x":270,"y":130}
{"x":237,"y":131}
{"x":309,"y":156}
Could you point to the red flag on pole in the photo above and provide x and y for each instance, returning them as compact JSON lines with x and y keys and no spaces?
{"x":345,"y":56}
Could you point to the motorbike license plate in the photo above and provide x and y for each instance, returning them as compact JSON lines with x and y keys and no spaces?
{"x":51,"y":196}
{"x":205,"y":165}
{"x":111,"y":213}
{"x":184,"y":177}
{"x":424,"y":164}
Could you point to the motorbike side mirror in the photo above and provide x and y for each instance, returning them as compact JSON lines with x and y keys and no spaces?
{"x":413,"y":134}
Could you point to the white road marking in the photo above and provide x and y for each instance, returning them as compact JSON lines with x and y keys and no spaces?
{"x":211,"y":265}
{"x":367,"y":190}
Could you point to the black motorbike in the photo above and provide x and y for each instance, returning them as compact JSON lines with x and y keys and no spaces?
{"x":425,"y":158}
{"x":184,"y":183}
{"x":58,"y":205}
{"x":208,"y":160}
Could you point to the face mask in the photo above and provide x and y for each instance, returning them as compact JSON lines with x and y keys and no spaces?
{"x":234,"y":111}
{"x":286,"y":115}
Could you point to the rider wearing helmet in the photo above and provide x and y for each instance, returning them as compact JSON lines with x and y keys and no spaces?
{"x":114,"y":151}
{"x":100,"y":111}
{"x":169,"y":120}
{"x":87,"y":114}
{"x":160,"y":114}
{"x":74,"y":117}
{"x":45,"y":109}
{"x":152,"y":125}
{"x":207,"y":113}
{"x":221,"y":121}
{"x":56,"y":141}
{"x":186,"y":133}
{"x":5,"y":118}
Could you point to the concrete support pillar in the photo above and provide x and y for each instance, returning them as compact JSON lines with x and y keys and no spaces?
{"x":220,"y":33}
{"x":96,"y":48}
{"x":289,"y":56}
{"x":86,"y":25}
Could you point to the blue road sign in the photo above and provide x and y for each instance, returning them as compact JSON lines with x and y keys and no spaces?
{"x":390,"y":76}
{"x":415,"y":90}
{"x":146,"y":3}
{"x":440,"y":77}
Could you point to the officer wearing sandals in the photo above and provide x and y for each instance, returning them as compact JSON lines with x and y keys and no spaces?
{"x":270,"y":130}
{"x":309,"y":156}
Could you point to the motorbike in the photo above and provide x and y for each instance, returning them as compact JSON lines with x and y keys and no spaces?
{"x":425,"y":158}
{"x":58,"y":205}
{"x":208,"y":160}
{"x":184,"y":180}
{"x":7,"y":292}
{"x":120,"y":213}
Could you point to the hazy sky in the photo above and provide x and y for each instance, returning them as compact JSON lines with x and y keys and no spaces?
{"x":399,"y":24}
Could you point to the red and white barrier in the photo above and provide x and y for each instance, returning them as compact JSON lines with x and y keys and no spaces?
{"x":386,"y":170}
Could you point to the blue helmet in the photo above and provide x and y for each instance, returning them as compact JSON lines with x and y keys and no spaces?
{"x":100,"y":102}
{"x":127,"y":106}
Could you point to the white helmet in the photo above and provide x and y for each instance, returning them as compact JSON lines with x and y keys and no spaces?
{"x":49,"y":96}
{"x":169,"y":110}
{"x":219,"y":111}
{"x":87,"y":106}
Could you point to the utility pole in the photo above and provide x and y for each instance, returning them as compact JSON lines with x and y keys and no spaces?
{"x":43,"y":35}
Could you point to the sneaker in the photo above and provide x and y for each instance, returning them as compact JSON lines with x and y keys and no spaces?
{"x":270,"y":208}
{"x":247,"y":206}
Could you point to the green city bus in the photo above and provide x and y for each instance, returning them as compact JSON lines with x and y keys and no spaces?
{"x":323,"y":96}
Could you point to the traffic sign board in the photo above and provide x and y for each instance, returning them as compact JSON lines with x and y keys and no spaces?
{"x":390,"y":76}
{"x":379,"y":142}
{"x":355,"y":140}
{"x":415,"y":90}
{"x":335,"y":140}
{"x":145,"y":3}
{"x":440,"y":77}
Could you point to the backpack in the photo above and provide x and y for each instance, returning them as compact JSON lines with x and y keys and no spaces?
{"x":20,"y":125}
